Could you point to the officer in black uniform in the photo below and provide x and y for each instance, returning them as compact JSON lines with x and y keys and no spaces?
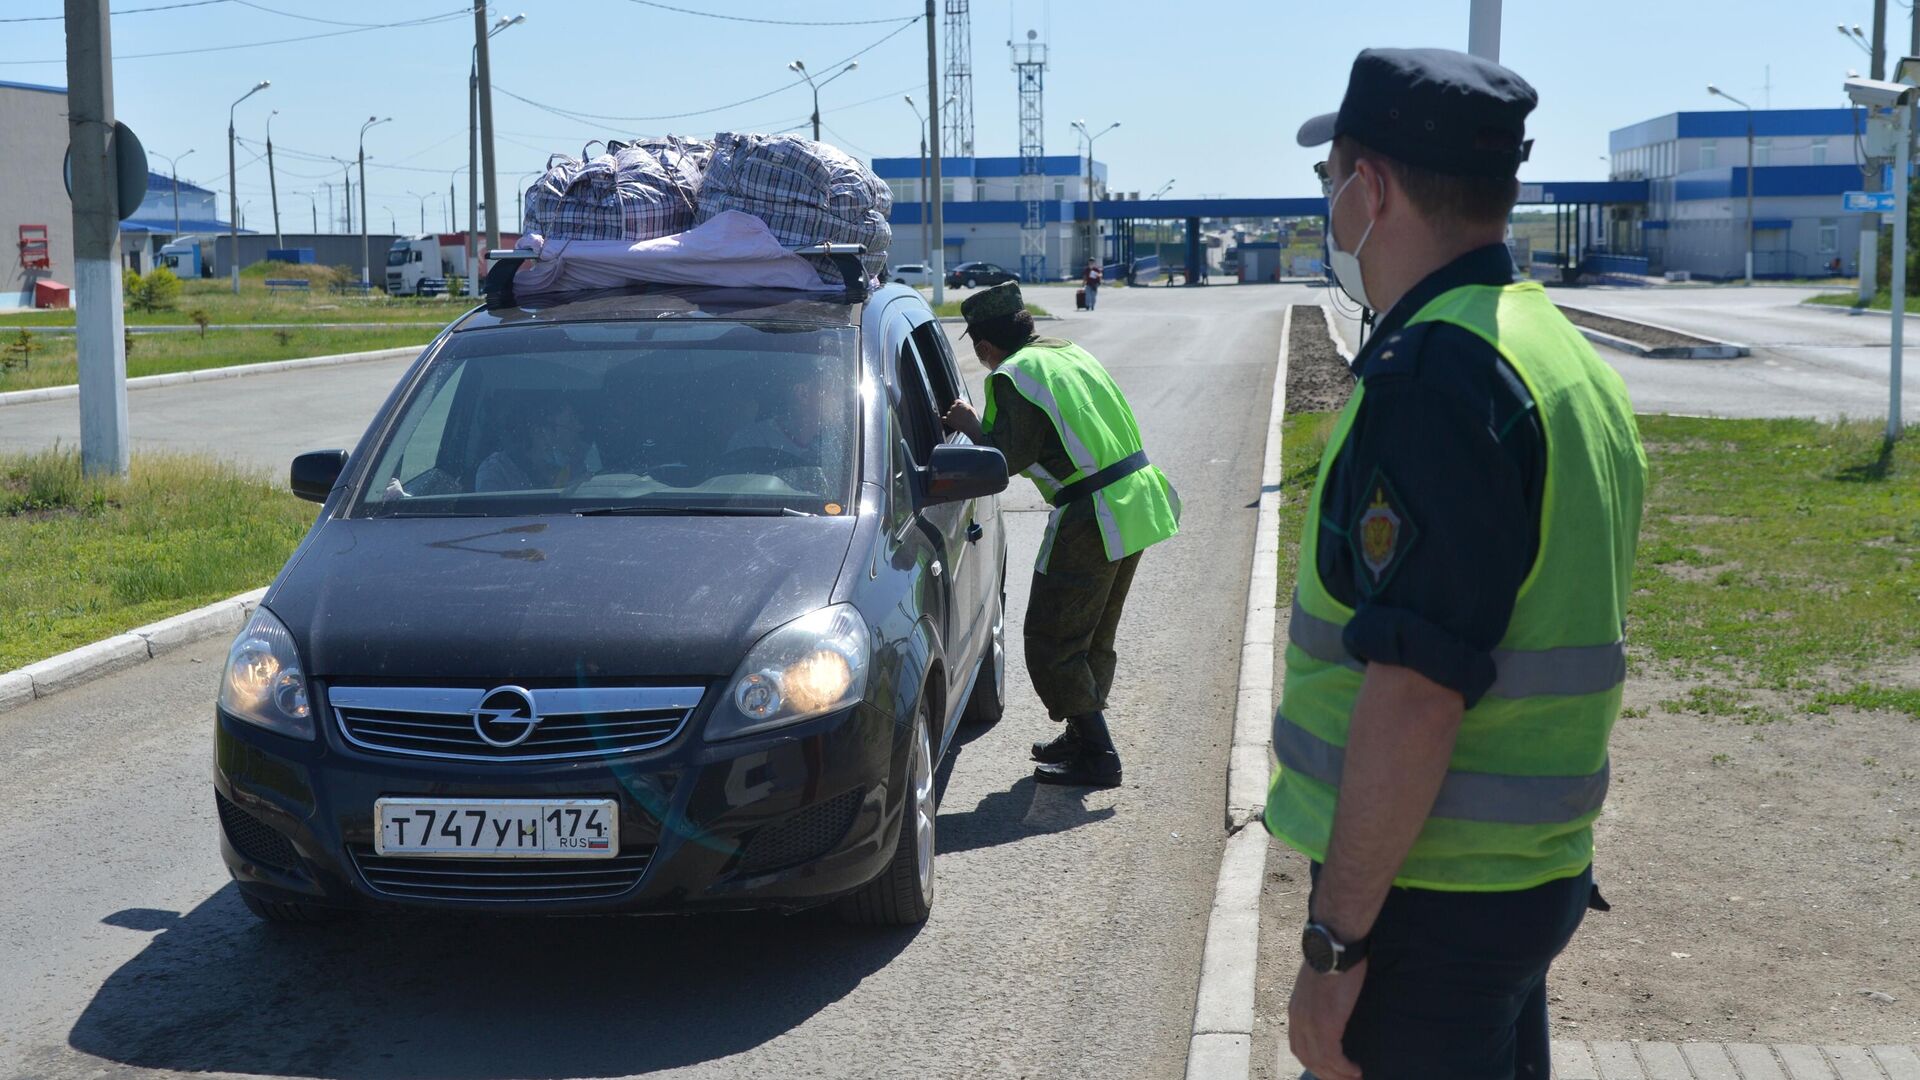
{"x":1449,"y":432}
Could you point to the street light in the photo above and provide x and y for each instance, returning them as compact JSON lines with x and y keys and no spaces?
{"x":365,"y":261}
{"x":173,"y":168}
{"x":1855,"y":38}
{"x":314,"y":206}
{"x":1163,"y":190}
{"x":233,"y":203}
{"x":1093,"y":226}
{"x":805,"y":74}
{"x":273,"y":185}
{"x":520,"y":201}
{"x":346,"y":194}
{"x":1712,"y":89}
{"x":473,"y":153}
{"x":423,"y":207}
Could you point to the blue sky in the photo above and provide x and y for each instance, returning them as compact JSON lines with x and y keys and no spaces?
{"x":1209,"y":92}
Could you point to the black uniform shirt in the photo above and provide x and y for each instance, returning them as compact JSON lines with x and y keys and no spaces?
{"x":1431,"y":516}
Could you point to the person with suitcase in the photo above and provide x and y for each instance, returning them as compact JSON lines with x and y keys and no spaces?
{"x":1092,"y":283}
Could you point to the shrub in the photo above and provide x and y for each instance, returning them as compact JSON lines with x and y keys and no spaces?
{"x":158,"y":290}
{"x":200,"y":318}
{"x":19,"y":351}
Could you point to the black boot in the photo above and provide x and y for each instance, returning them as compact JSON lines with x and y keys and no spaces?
{"x":1095,"y":762}
{"x":1062,"y":747}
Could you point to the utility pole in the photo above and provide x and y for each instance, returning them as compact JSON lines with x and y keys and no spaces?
{"x":366,"y":263}
{"x":233,"y":187}
{"x":1903,"y":157}
{"x":173,"y":168}
{"x":273,"y":185}
{"x":937,"y":264}
{"x":1870,"y":223}
{"x":1483,"y":29}
{"x":483,"y":75}
{"x":99,"y":324}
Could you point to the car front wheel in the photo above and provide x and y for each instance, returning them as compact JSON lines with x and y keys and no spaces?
{"x":903,"y":893}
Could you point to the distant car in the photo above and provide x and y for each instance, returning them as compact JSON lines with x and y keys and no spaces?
{"x":974,"y":274}
{"x":642,"y":600}
{"x":911,"y":274}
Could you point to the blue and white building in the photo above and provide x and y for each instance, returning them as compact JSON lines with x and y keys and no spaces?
{"x":984,"y":212}
{"x":1694,"y":218}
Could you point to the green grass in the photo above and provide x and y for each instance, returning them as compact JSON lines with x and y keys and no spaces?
{"x":256,"y":305}
{"x":1775,"y":555}
{"x":162,"y":353}
{"x":951,"y":309}
{"x":88,"y":558}
{"x":1882,"y":301}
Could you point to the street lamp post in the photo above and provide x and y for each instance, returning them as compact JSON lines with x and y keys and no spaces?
{"x":273,"y":184}
{"x":423,"y":207}
{"x":314,"y":206}
{"x":801,"y":68}
{"x":173,"y":168}
{"x":520,"y":184}
{"x":474,"y":254}
{"x":1093,"y":226}
{"x":1164,"y":188}
{"x":1711,"y":89}
{"x":926,"y":242}
{"x":366,"y":263}
{"x":233,"y":197}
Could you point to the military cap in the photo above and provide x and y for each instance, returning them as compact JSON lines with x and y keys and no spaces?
{"x":995,"y":303}
{"x":1434,"y":108}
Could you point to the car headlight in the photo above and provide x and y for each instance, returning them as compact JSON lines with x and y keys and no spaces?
{"x":807,"y":668}
{"x":263,"y":683}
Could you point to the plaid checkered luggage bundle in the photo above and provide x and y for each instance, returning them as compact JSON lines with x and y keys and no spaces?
{"x":807,"y":193}
{"x":634,"y":191}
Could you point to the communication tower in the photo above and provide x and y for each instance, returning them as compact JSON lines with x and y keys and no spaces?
{"x":956,"y":115}
{"x":1030,"y":65}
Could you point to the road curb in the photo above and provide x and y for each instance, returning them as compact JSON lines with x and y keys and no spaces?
{"x":121,"y":651}
{"x":175,"y":378}
{"x":1712,"y":350}
{"x":1221,"y":1044}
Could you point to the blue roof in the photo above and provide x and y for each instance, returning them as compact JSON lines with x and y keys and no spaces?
{"x":1732,"y":123}
{"x":908,"y":168}
{"x":158,"y":181}
{"x":33,"y":86}
{"x":165,"y":225}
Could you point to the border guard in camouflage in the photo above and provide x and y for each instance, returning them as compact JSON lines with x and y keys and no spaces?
{"x":1061,"y":422}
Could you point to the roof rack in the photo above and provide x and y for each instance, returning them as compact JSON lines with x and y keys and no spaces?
{"x":499,"y":291}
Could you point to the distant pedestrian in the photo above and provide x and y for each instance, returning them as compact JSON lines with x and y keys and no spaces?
{"x":1455,"y":655}
{"x":1092,"y":283}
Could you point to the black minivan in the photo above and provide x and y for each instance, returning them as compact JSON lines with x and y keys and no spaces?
{"x":645,"y":600}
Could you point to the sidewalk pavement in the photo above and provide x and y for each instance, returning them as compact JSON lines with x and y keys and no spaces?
{"x":1602,"y":1060}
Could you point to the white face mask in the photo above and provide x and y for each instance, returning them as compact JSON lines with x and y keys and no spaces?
{"x":1346,"y":265}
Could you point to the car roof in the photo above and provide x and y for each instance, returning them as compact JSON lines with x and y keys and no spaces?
{"x":787,"y":306}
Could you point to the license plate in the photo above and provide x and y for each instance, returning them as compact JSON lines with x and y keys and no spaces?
{"x":498,"y":828}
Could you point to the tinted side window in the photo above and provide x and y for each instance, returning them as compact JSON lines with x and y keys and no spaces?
{"x":922,"y":424}
{"x":936,"y":356}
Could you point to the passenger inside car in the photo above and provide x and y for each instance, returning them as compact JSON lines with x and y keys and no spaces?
{"x":546,"y":447}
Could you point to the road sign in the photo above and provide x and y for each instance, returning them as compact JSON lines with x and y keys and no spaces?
{"x":1867,"y":202}
{"x":130,"y":169}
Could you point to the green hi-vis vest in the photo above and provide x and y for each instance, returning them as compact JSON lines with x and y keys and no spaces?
{"x":1529,"y":769}
{"x":1098,"y":429}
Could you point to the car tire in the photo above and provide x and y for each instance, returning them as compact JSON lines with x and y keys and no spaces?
{"x":290,"y":912}
{"x":988,"y":701}
{"x":903,"y":893}
{"x":973,"y":283}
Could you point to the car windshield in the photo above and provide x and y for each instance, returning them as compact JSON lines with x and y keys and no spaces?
{"x":673,"y":417}
{"x":397,"y":257}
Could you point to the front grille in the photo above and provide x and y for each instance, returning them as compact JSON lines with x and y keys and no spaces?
{"x":500,"y":880}
{"x":255,"y":840}
{"x":471,"y":724}
{"x":806,"y":835}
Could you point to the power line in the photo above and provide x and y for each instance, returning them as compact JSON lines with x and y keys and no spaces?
{"x":581,"y":117}
{"x":305,"y":18}
{"x":908,"y":19}
{"x":460,"y":14}
{"x":122,"y":11}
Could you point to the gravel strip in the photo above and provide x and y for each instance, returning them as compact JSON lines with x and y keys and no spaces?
{"x":1317,"y":378}
{"x":1639,"y":333}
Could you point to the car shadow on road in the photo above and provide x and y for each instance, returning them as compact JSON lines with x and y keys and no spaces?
{"x":423,"y":997}
{"x":1023,"y":810}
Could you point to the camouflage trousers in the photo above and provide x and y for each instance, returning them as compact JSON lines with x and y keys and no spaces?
{"x":1073,"y":616}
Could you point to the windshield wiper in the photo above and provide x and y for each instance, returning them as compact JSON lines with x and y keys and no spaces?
{"x":692,"y":511}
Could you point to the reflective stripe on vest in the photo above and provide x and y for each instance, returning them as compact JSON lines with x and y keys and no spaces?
{"x":1464,"y":796}
{"x":1569,"y":670}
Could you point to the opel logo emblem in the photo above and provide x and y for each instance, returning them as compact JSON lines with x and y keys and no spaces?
{"x":505,"y":718}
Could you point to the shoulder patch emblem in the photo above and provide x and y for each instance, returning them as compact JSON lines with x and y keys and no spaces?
{"x":1382,"y":533}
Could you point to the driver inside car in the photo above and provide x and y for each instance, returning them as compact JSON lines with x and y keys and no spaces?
{"x":795,"y":442}
{"x":547,"y":450}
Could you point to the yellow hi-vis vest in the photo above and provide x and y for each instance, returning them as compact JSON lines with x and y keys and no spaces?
{"x":1529,"y":769}
{"x":1097,"y":427}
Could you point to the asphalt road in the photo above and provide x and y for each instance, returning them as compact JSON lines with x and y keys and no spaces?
{"x":1806,"y":361}
{"x":1065,"y":939}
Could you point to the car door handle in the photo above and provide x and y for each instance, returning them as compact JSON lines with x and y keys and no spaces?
{"x":936,"y":568}
{"x":974,"y":532}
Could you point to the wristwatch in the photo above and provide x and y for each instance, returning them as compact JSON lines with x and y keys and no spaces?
{"x":1327,"y":954}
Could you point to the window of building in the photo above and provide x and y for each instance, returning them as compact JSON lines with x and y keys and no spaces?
{"x":1709,"y":153}
{"x":904,"y":191}
{"x":1829,"y":236}
{"x":946,"y":189}
{"x":1059,"y":190}
{"x":979,"y":190}
{"x":1819,"y":151}
{"x":1762,"y":152}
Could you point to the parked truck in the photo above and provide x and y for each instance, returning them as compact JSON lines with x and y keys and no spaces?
{"x":422,"y":265}
{"x":182,"y":257}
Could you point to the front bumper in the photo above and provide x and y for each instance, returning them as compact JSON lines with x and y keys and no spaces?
{"x":787,"y":820}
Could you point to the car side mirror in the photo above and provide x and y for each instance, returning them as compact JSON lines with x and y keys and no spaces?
{"x":315,"y":472}
{"x":958,"y":472}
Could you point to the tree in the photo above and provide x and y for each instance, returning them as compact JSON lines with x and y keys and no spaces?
{"x":19,"y":352}
{"x":158,"y":290}
{"x":200,"y":318}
